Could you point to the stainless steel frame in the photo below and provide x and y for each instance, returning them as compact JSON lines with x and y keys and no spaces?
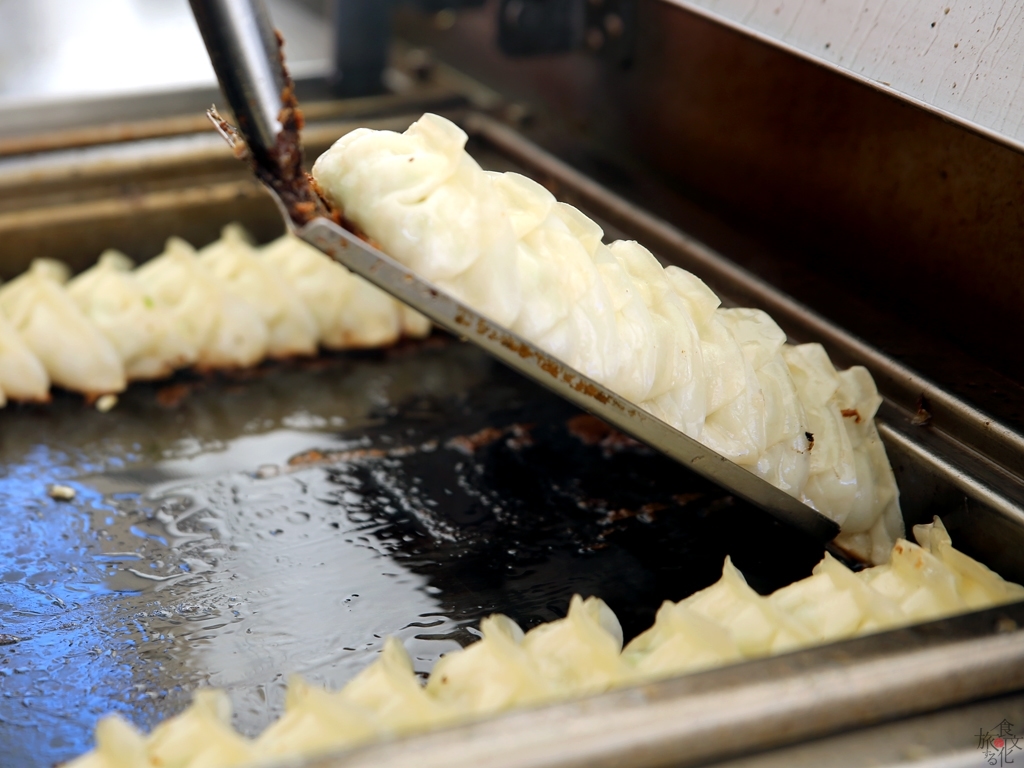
{"x":961,"y":466}
{"x":738,"y":710}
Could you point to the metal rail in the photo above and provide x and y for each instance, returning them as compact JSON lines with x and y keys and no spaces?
{"x":740,"y":709}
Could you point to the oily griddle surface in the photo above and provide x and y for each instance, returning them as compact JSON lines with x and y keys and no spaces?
{"x":233,"y":529}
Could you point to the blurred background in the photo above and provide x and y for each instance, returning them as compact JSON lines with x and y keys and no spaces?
{"x":868,"y":164}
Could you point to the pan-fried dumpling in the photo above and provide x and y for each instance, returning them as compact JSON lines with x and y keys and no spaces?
{"x":678,"y":393}
{"x":875,"y":521}
{"x":315,"y":722}
{"x":567,"y":310}
{"x":878,"y":611}
{"x":220,"y":330}
{"x":234,"y":262}
{"x":430,"y":206}
{"x":22,"y":376}
{"x":492,"y":674}
{"x":350,"y":313}
{"x":143,"y":333}
{"x":979,"y":586}
{"x":832,"y":485}
{"x":118,"y":745}
{"x":735,"y":424}
{"x":579,"y":654}
{"x":785,"y":461}
{"x":200,"y":736}
{"x":819,"y":605}
{"x":70,"y":347}
{"x":390,"y":690}
{"x":680,"y":641}
{"x":923,"y":586}
{"x":543,"y":271}
{"x":755,"y":624}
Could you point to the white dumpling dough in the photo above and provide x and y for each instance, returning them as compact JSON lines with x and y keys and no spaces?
{"x":579,"y":654}
{"x":72,"y":350}
{"x":492,"y":674}
{"x":22,"y":376}
{"x":680,"y":641}
{"x":677,"y":393}
{"x":220,"y":330}
{"x":875,"y":521}
{"x":757,"y":627}
{"x":234,"y":262}
{"x":566,"y":308}
{"x":118,"y":745}
{"x":350,"y":313}
{"x":315,"y":722}
{"x":143,"y":333}
{"x":390,"y":690}
{"x":785,"y":460}
{"x":977,"y":585}
{"x":832,"y":483}
{"x":735,"y":425}
{"x":430,"y":206}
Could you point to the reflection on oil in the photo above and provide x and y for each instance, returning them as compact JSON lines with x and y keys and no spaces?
{"x":227,"y":532}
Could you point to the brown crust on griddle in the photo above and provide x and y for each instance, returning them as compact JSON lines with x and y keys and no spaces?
{"x":281,"y":167}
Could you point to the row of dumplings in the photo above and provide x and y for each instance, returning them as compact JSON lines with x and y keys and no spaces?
{"x":579,"y":655}
{"x":657,"y":336}
{"x":229,"y":305}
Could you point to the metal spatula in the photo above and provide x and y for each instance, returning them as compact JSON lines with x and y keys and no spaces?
{"x":246,"y":56}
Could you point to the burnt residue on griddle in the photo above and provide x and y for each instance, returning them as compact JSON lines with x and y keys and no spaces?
{"x":577,"y":507}
{"x":280,"y":167}
{"x":242,"y":526}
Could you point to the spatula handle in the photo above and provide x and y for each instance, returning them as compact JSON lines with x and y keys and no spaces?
{"x":244,"y":51}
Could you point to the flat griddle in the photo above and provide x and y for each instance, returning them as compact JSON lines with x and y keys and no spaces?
{"x":457,"y":489}
{"x":230,"y":530}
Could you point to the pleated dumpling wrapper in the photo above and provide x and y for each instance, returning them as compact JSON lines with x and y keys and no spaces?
{"x":72,"y":350}
{"x":22,"y":376}
{"x":678,"y":393}
{"x":566,"y":308}
{"x":143,"y":333}
{"x":118,"y":745}
{"x":833,"y":604}
{"x":832,"y":482}
{"x":978,"y":586}
{"x":220,"y":330}
{"x":680,"y":641}
{"x":757,"y":627}
{"x":315,"y":722}
{"x":429,"y":205}
{"x":933,"y":580}
{"x":875,"y":521}
{"x":493,"y":674}
{"x":234,"y":261}
{"x":199,"y":737}
{"x":785,"y":460}
{"x":579,"y":654}
{"x":390,"y":690}
{"x":350,"y":313}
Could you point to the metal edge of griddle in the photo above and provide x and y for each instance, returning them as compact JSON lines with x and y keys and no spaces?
{"x":739,"y":709}
{"x":532,"y":362}
{"x":965,"y":429}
